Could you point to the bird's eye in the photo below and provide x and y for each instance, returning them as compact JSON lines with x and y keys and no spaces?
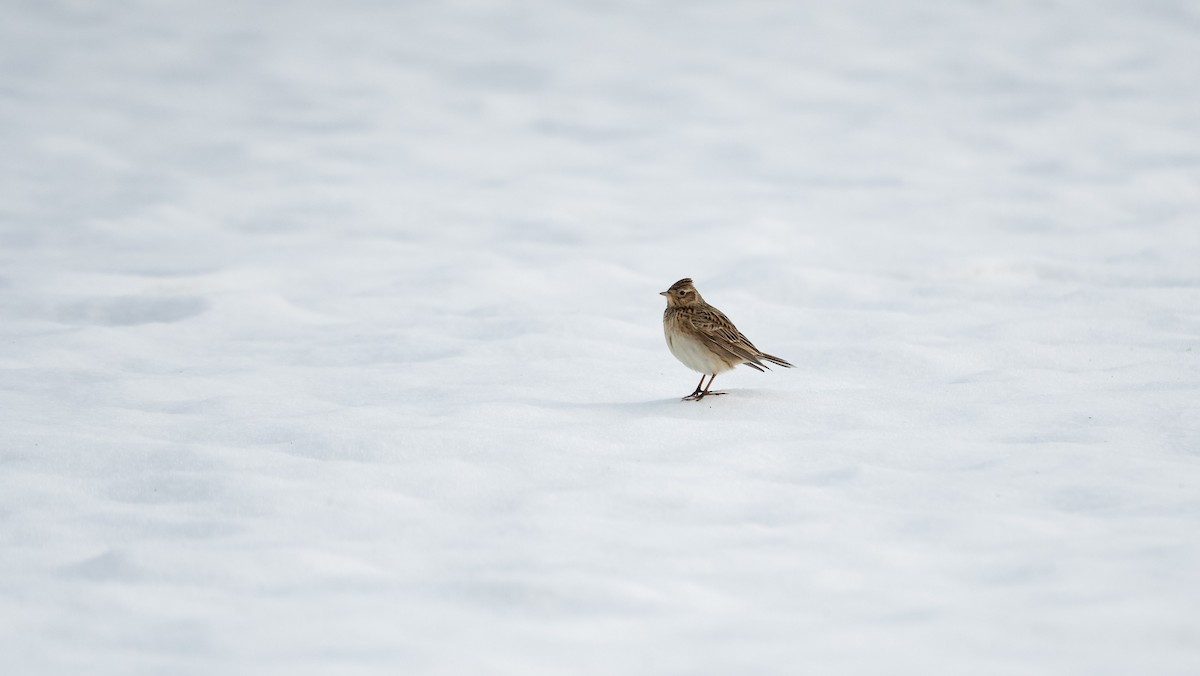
{"x":682,"y":293}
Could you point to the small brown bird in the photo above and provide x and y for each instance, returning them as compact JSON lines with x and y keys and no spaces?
{"x":703,"y":338}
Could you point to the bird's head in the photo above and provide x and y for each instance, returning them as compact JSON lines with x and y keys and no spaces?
{"x":682,"y":294}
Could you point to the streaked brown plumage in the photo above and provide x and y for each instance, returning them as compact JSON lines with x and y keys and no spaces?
{"x":704,"y":340}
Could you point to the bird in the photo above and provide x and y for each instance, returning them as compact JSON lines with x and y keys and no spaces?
{"x":704,"y":340}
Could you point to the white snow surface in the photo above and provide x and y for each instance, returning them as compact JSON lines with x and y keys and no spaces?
{"x":330,"y":337}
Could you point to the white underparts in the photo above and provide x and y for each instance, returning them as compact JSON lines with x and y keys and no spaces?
{"x":695,"y":355}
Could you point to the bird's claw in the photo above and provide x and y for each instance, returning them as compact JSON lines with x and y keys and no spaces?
{"x":697,"y":396}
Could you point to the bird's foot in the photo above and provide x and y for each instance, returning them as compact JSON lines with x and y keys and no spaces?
{"x":697,"y":396}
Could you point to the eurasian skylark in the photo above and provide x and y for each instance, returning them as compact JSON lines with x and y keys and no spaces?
{"x":703,"y":338}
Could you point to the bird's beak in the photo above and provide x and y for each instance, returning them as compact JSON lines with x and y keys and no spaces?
{"x":664,"y":293}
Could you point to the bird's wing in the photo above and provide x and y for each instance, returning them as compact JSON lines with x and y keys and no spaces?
{"x":718,"y":332}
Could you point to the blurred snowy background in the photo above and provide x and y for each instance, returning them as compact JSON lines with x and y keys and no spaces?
{"x":330,"y":337}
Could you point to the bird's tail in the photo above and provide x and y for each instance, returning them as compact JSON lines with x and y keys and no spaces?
{"x":775,"y":360}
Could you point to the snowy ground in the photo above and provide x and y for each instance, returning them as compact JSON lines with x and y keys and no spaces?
{"x":330,"y":337}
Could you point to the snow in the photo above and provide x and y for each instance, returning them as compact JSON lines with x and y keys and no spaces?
{"x":330,"y":337}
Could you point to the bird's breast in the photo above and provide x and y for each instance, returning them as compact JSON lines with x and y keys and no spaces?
{"x":692,"y":351}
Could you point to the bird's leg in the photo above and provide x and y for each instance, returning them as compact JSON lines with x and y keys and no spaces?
{"x":706,"y":390}
{"x":702,"y":389}
{"x":695,"y":396}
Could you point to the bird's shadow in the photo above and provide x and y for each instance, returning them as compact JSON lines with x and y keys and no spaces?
{"x":648,"y":406}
